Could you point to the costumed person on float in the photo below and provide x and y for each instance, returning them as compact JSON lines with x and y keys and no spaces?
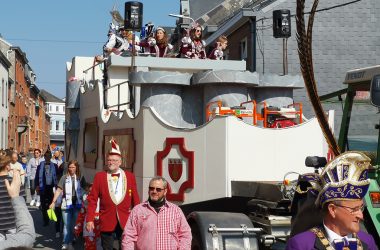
{"x":119,"y":41}
{"x":117,"y":191}
{"x":192,"y":45}
{"x":91,"y":239}
{"x":115,"y":41}
{"x":146,"y":37}
{"x":341,"y":188}
{"x":158,"y":45}
{"x":128,"y":45}
{"x":217,"y":52}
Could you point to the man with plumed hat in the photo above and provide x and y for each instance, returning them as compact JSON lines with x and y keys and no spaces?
{"x":343,"y":185}
{"x":117,"y":192}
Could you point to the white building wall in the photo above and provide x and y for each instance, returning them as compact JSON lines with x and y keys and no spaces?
{"x":57,"y":112}
{"x":3,"y":107}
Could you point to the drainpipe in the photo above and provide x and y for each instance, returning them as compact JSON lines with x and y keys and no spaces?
{"x":252,"y":22}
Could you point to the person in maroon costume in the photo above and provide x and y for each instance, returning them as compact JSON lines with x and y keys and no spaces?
{"x":193,"y":46}
{"x":158,"y":45}
{"x":217,"y":52}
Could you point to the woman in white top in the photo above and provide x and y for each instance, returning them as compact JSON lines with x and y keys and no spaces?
{"x":70,"y":186}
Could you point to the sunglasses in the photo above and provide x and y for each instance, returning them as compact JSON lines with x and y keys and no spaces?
{"x":157,"y":189}
{"x":198,"y":30}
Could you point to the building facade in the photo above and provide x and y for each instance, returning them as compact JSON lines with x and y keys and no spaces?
{"x":55,"y":108}
{"x":345,"y":37}
{"x":4,"y":112}
{"x":27,"y":124}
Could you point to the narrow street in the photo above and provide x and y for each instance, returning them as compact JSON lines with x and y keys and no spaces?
{"x":45,"y":236}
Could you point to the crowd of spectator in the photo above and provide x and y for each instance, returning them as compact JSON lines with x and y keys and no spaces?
{"x":101,"y":212}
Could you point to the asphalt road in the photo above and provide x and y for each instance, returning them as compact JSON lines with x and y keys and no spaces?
{"x":45,"y":236}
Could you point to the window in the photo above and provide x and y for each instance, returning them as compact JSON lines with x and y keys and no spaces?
{"x":56,"y":125}
{"x":51,"y":125}
{"x":2,"y":92}
{"x":50,"y":107}
{"x":125,"y":139}
{"x":57,"y":108}
{"x":243,"y":49}
{"x":63,"y":124}
{"x":90,"y":142}
{"x":6,"y":94}
{"x":2,"y":134}
{"x":6,"y":133}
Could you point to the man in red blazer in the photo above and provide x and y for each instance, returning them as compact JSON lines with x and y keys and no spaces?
{"x":117,"y":194}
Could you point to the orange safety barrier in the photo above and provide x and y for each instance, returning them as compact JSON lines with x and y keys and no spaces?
{"x":299,"y":112}
{"x":209,"y":112}
{"x":256,"y":116}
{"x":262,"y":117}
{"x":246,"y":114}
{"x":240,"y":113}
{"x":267,"y":112}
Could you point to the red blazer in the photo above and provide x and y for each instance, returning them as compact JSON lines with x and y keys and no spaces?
{"x":110,"y":213}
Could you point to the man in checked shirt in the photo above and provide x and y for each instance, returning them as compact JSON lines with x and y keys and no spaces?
{"x":157,"y":223}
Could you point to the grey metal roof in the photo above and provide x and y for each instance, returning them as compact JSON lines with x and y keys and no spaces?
{"x":50,"y":97}
{"x":217,"y":11}
{"x":200,"y":7}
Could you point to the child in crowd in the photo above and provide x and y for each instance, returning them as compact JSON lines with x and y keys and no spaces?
{"x":91,"y":239}
{"x":24,"y":163}
{"x":217,"y":52}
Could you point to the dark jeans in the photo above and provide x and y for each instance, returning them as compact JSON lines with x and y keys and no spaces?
{"x":109,"y":237}
{"x":32,"y":187}
{"x":46,"y":199}
{"x":58,"y":213}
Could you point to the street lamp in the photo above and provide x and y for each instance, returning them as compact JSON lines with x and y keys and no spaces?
{"x":182,"y":16}
{"x":21,"y":128}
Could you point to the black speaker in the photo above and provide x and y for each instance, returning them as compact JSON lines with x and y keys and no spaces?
{"x":133,"y":16}
{"x":281,"y":24}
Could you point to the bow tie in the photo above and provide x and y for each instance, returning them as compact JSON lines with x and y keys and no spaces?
{"x":346,"y":243}
{"x":115,"y":175}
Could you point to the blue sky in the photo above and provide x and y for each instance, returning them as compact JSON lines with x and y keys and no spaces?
{"x":59,"y":23}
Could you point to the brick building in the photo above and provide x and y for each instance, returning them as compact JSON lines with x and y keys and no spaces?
{"x":345,"y":37}
{"x":28,"y":122}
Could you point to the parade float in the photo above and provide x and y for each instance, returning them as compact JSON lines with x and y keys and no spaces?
{"x":226,"y":139}
{"x":206,"y":126}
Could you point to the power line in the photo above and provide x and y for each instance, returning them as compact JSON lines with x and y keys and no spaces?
{"x":51,"y":41}
{"x":319,"y":10}
{"x":335,"y":6}
{"x":38,"y":82}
